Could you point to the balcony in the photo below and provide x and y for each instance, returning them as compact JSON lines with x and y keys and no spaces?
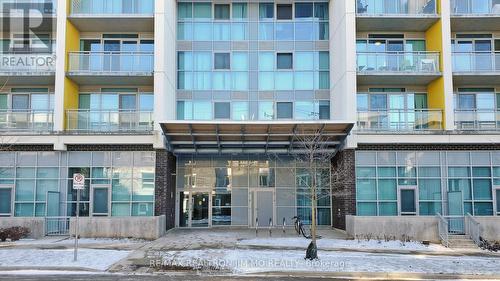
{"x":105,"y":122}
{"x":400,"y":120}
{"x":116,"y":15}
{"x":477,"y":120}
{"x":111,"y":68}
{"x":396,"y":15}
{"x":478,"y":68}
{"x":27,"y":68}
{"x":26,"y":121}
{"x":397,"y":68}
{"x":475,"y":15}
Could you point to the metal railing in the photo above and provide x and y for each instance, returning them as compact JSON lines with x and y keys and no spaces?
{"x":476,"y":61}
{"x":115,"y":7}
{"x":475,"y":7}
{"x":401,"y":120}
{"x":473,"y":229}
{"x":44,"y":6}
{"x":26,"y":121}
{"x":91,"y":121}
{"x":57,"y":226}
{"x":27,"y":62}
{"x":111,"y":62}
{"x":456,"y":225}
{"x":443,"y":230}
{"x":477,"y":120}
{"x":396,"y":7}
{"x":405,"y":62}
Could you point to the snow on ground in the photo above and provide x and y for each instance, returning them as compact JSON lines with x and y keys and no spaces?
{"x":255,"y":261}
{"x":64,"y":241}
{"x":328,"y":244}
{"x":87,"y":258}
{"x":47,"y":272}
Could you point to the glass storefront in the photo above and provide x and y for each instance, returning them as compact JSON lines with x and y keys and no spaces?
{"x":40,"y":183}
{"x":391,"y":183}
{"x":246,"y":190}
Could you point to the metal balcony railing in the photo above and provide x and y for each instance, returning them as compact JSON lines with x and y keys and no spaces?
{"x":46,"y":7}
{"x":401,"y":120}
{"x":396,"y":7}
{"x":394,"y":62}
{"x":475,"y":7}
{"x":35,"y":121}
{"x":115,"y":7}
{"x":19,"y":62}
{"x":476,"y":61}
{"x":111,"y":62}
{"x":91,"y":121}
{"x":477,"y":120}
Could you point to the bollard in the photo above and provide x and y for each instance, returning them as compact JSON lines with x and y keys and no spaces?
{"x":284,"y":225}
{"x":256,"y":226}
{"x":270,"y":227}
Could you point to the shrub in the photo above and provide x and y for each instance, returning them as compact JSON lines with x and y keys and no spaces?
{"x":17,"y":232}
{"x":3,"y":234}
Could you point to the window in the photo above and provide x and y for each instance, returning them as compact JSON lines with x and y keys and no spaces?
{"x":266,"y":11}
{"x":5,"y":201}
{"x":284,"y":61}
{"x":239,"y":11}
{"x":303,"y":10}
{"x":284,"y":11}
{"x":202,"y":10}
{"x":221,"y":61}
{"x":324,"y":110}
{"x":284,"y":110}
{"x":222,"y":110}
{"x":221,"y":11}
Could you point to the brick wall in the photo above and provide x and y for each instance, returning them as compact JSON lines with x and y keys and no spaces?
{"x":110,"y":147}
{"x":343,"y":187}
{"x":26,"y":147}
{"x":165,"y":186}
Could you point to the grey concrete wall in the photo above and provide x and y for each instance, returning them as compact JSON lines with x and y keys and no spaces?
{"x":36,"y":225}
{"x":120,"y":227}
{"x":490,"y":227}
{"x":417,"y":228}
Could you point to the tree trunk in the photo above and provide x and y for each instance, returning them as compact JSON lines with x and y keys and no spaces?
{"x":312,"y":250}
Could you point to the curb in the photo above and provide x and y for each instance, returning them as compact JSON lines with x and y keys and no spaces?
{"x":377,"y":275}
{"x":49,"y":268}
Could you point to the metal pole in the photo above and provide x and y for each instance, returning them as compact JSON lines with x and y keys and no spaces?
{"x":75,"y":256}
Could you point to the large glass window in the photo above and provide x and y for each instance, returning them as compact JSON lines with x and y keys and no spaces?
{"x":222,"y":61}
{"x":284,"y":11}
{"x":221,"y":11}
{"x":284,"y":110}
{"x":266,"y":11}
{"x":284,"y":61}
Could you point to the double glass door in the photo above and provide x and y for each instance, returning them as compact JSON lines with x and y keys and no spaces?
{"x":261,"y":208}
{"x":195,"y":209}
{"x":408,"y":201}
{"x":100,"y":200}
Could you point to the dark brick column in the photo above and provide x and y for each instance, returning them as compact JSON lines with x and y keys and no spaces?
{"x":165,"y":186}
{"x":343,"y":187}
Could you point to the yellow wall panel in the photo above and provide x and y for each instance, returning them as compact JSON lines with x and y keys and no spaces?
{"x":71,"y":89}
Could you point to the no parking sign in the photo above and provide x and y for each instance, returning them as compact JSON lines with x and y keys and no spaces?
{"x":78,"y":181}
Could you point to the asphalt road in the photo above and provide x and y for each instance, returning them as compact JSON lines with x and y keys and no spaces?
{"x":111,"y":277}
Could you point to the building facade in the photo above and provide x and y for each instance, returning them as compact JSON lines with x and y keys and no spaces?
{"x":191,"y":109}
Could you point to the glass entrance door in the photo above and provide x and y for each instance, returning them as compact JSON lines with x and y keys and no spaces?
{"x":200,"y":210}
{"x":100,"y":200}
{"x":262,"y":208}
{"x":408,"y":202}
{"x":5,"y":201}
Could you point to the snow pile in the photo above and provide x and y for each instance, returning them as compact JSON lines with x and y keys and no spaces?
{"x":87,"y":258}
{"x":329,"y":244}
{"x":257,"y":261}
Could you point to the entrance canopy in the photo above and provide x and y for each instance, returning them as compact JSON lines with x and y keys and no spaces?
{"x":278,"y":137}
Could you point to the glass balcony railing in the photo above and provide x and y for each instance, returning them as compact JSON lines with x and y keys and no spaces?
{"x":477,"y":120}
{"x":396,"y":7}
{"x":27,"y":62}
{"x":92,"y":121}
{"x":476,"y":62}
{"x":16,"y":7}
{"x":394,"y":62}
{"x":401,"y":120}
{"x":111,"y":62}
{"x":35,"y":121}
{"x":475,"y":7}
{"x":114,"y":7}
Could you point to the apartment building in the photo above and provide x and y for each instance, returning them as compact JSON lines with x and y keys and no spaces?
{"x":186,"y":111}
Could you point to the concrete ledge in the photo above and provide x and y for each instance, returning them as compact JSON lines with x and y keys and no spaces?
{"x":490,"y":227}
{"x":418,"y":228}
{"x":120,"y":227}
{"x":36,"y":225}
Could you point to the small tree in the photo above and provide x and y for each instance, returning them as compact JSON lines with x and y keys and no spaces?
{"x":312,"y":152}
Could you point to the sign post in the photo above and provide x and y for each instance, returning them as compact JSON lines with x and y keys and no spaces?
{"x":78,"y":184}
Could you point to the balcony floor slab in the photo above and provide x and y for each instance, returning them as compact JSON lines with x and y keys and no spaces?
{"x":475,"y":23}
{"x":364,"y":78}
{"x":477,"y":78}
{"x":119,"y":79}
{"x":114,"y":23}
{"x":395,"y":23}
